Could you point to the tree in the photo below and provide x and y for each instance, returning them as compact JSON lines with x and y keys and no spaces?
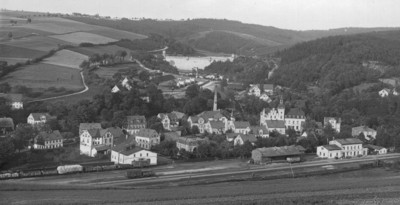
{"x":192,"y":91}
{"x":123,"y":54}
{"x":29,"y":20}
{"x":22,"y":136}
{"x":6,"y":148}
{"x":10,"y":35}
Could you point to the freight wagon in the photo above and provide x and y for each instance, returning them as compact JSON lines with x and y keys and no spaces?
{"x":132,"y":174}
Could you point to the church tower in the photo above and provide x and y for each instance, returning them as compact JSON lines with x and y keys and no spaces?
{"x":281,"y":110}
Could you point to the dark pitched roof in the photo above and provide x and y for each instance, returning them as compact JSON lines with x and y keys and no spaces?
{"x":136,"y":119}
{"x":191,"y":141}
{"x":6,"y":122}
{"x":295,"y":112}
{"x":256,"y":129}
{"x":194,"y":119}
{"x":374,"y":147}
{"x":279,"y":151}
{"x":116,"y":132}
{"x":173,"y":136}
{"x":331,"y":147}
{"x":12,"y":97}
{"x":102,"y":147}
{"x":249,"y":137}
{"x":55,"y":135}
{"x":37,"y":116}
{"x":275,"y":124}
{"x":148,"y":133}
{"x":231,"y":135}
{"x":179,"y":115}
{"x":217,"y":125}
{"x":349,"y":141}
{"x":212,"y":115}
{"x":127,"y":147}
{"x":241,"y":124}
{"x":88,"y":126}
{"x":327,"y":119}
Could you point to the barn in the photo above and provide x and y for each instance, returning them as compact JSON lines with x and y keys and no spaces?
{"x":277,"y":154}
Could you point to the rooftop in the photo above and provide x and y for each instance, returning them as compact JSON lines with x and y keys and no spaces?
{"x":331,"y":147}
{"x":241,"y":124}
{"x":12,"y":97}
{"x":275,"y":124}
{"x":88,"y":126}
{"x":349,"y":141}
{"x":136,"y":119}
{"x":38,"y":116}
{"x":48,"y":136}
{"x":148,"y":133}
{"x":249,"y":137}
{"x":295,"y":112}
{"x":6,"y":122}
{"x":279,"y":151}
{"x":217,"y":125}
{"x":363,"y":129}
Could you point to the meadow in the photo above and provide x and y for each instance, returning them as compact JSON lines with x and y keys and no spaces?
{"x":89,"y":51}
{"x":66,"y":58}
{"x":43,"y":76}
{"x":41,"y":43}
{"x":83,"y":37}
{"x":108,"y":72}
{"x":9,"y":51}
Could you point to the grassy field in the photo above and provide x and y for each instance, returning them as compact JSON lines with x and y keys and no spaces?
{"x":108,"y":72}
{"x":358,"y":187}
{"x":88,"y":51}
{"x":41,"y":43}
{"x":9,"y":51}
{"x":66,"y":58}
{"x":42,"y":76}
{"x":88,"y":95}
{"x":117,"y":34}
{"x":81,"y":37}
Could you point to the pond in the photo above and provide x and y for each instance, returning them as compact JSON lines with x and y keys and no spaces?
{"x":188,"y":63}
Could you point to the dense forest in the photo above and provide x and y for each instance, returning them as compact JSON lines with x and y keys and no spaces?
{"x":242,"y":69}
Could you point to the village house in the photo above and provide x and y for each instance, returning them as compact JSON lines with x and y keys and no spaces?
{"x":273,"y":114}
{"x":189,"y":144}
{"x":339,"y":148}
{"x":96,"y":141}
{"x":240,"y":127}
{"x":48,"y":140}
{"x":6,"y":126}
{"x":202,"y":120}
{"x":295,"y":119}
{"x":260,"y":131}
{"x":115,"y":89}
{"x":374,"y":149}
{"x":368,"y":133}
{"x":276,"y":125}
{"x":39,"y":118}
{"x":334,"y":122}
{"x":384,"y":92}
{"x":134,"y":123}
{"x":125,"y":83}
{"x":264,"y":97}
{"x":128,"y":153}
{"x":256,"y":90}
{"x":242,"y":138}
{"x":147,"y":138}
{"x":230,"y":137}
{"x":216,"y":127}
{"x":15,"y":100}
{"x":168,"y":120}
{"x":271,"y":154}
{"x":88,"y":126}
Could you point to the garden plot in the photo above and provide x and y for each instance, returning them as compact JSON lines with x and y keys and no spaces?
{"x":43,"y":76}
{"x":41,"y":43}
{"x":66,"y":58}
{"x":82,"y":37}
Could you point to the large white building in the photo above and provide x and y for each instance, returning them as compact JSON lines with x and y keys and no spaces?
{"x":95,"y":141}
{"x":147,"y":138}
{"x":202,"y":120}
{"x":127,"y":153}
{"x":349,"y":147}
{"x":295,"y":119}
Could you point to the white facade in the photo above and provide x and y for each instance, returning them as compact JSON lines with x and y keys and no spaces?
{"x":350,"y":147}
{"x":115,"y":89}
{"x":295,"y":123}
{"x":17,"y":105}
{"x":255,"y":90}
{"x":89,"y":142}
{"x":120,"y":158}
{"x":264,"y":97}
{"x":384,"y":92}
{"x":334,"y":122}
{"x":49,"y":144}
{"x":324,"y":152}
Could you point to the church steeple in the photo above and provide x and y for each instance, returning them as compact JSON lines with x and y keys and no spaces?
{"x":215,"y":108}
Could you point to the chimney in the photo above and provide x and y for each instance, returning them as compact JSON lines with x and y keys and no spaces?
{"x":215,"y":108}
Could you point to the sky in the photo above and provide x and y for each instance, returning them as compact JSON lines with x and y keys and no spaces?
{"x":287,"y":14}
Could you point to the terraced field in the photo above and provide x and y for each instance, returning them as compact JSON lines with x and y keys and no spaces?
{"x":40,"y":43}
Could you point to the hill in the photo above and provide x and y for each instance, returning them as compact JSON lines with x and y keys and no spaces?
{"x":222,"y":35}
{"x":340,"y":62}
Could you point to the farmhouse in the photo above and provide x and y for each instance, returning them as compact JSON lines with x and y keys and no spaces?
{"x":270,"y":154}
{"x":189,"y":144}
{"x":257,"y":89}
{"x":349,"y":147}
{"x":147,"y":138}
{"x":15,"y":100}
{"x":88,"y":126}
{"x":48,"y":140}
{"x":134,"y":123}
{"x":168,"y":120}
{"x":295,"y":119}
{"x":259,"y":131}
{"x":333,"y":122}
{"x":242,"y":138}
{"x":240,"y":127}
{"x":6,"y":126}
{"x":374,"y":149}
{"x":115,"y":89}
{"x":39,"y":118}
{"x":127,"y":153}
{"x":384,"y":92}
{"x":276,"y":125}
{"x":217,"y":127}
{"x":95,"y":141}
{"x":367,"y":132}
{"x":264,"y":97}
